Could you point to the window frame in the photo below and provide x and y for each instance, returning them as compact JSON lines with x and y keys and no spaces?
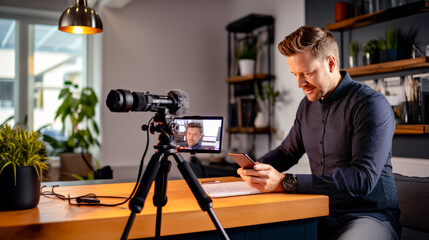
{"x":24,"y":39}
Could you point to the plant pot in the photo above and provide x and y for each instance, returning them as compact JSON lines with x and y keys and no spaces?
{"x":247,"y":66}
{"x":388,"y":55}
{"x":262,"y":119}
{"x":353,"y":61}
{"x":73,"y":163}
{"x":369,"y":59}
{"x":25,"y":194}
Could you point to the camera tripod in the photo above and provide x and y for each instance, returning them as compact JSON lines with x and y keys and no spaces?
{"x":157,"y":170}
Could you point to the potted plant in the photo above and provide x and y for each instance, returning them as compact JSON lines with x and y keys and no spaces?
{"x":370,"y":52}
{"x":266,"y":98}
{"x":22,"y":160}
{"x":246,"y":58}
{"x":353,"y":52}
{"x":77,"y":114}
{"x":389,"y":45}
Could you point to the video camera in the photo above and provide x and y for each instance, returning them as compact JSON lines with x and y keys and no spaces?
{"x":194,"y":134}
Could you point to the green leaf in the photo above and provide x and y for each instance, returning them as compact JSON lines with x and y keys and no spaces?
{"x":91,"y":176}
{"x":64,"y":92}
{"x":7,"y":120}
{"x":78,"y":108}
{"x":20,"y":148}
{"x":78,"y":177}
{"x":95,"y":127}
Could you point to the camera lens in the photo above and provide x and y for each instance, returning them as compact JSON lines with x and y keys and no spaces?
{"x":119,"y":100}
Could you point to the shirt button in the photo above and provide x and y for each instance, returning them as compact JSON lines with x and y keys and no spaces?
{"x":323,"y":121}
{"x":322,"y":163}
{"x":320,"y":142}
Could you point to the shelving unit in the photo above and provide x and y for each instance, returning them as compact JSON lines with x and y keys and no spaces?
{"x":249,"y":26}
{"x":387,"y":69}
{"x":380,"y":16}
{"x":249,"y":78}
{"x":250,"y":130}
{"x":412,"y":129}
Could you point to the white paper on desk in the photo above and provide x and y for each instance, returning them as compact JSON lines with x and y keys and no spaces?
{"x":228,"y":189}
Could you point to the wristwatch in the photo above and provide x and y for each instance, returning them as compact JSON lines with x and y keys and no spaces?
{"x":289,"y":183}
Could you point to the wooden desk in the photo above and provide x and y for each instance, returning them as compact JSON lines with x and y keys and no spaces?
{"x":55,"y":219}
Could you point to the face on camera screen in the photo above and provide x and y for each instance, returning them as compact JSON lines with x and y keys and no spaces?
{"x":199,"y":134}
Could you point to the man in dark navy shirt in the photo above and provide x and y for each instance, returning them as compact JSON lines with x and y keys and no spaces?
{"x":346,"y":130}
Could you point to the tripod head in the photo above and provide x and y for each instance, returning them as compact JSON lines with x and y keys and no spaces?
{"x":167,"y":129}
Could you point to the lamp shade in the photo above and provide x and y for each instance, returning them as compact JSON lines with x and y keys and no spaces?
{"x":80,"y":19}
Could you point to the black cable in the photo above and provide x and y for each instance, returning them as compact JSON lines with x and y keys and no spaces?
{"x":89,"y":198}
{"x":84,"y":200}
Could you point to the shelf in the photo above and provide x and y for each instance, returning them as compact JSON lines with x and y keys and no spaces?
{"x":412,"y":129}
{"x":380,"y":16}
{"x":250,"y":77}
{"x":250,"y":23}
{"x":392,"y":66}
{"x":250,"y":130}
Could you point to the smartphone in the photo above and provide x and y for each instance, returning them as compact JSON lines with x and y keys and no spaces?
{"x":242,"y":159}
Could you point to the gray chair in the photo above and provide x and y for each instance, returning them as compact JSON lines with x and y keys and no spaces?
{"x":413,"y":195}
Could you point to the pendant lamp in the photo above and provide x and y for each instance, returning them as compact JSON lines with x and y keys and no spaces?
{"x":80,"y":19}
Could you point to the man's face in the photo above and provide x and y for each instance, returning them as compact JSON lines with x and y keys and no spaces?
{"x":193,"y":135}
{"x":313,"y":74}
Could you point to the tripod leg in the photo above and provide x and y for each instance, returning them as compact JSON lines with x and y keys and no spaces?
{"x":137,"y":202}
{"x":160,"y":194}
{"x":203,"y":199}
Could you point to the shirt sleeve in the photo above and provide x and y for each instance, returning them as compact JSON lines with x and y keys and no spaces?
{"x":373,"y":128}
{"x":290,"y":150}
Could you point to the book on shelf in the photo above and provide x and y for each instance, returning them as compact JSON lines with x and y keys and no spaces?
{"x":246,"y":112}
{"x":232,"y":115}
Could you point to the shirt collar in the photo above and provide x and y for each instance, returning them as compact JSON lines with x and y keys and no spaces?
{"x":340,"y":90}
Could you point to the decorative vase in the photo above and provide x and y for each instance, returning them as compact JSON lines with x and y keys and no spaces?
{"x":25,"y":194}
{"x":247,"y":66}
{"x":261,"y":120}
{"x":341,"y":11}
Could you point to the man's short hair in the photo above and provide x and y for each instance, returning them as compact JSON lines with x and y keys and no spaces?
{"x":195,"y":125}
{"x":319,"y":40}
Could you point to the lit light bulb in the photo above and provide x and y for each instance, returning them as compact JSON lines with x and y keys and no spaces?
{"x":77,"y":30}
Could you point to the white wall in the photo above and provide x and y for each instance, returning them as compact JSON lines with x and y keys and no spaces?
{"x":158,"y":45}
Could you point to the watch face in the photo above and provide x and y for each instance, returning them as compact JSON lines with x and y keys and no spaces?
{"x":289,"y":183}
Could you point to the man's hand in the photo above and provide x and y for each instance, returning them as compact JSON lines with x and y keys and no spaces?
{"x":263,"y":177}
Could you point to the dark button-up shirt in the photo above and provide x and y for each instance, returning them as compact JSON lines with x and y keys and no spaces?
{"x":347,"y":137}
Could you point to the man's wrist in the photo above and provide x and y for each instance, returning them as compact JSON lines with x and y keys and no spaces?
{"x":290,"y":183}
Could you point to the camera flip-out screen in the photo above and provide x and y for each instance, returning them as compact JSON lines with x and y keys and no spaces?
{"x":199,"y":134}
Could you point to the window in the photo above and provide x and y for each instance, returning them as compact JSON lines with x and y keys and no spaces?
{"x":36,"y":58}
{"x":58,"y":57}
{"x":7,"y":73}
